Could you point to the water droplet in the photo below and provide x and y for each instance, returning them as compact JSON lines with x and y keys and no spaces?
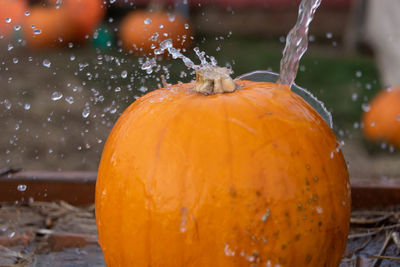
{"x":86,"y":112}
{"x":112,"y":1}
{"x":329,"y":35}
{"x":72,"y":58}
{"x":27,"y":106}
{"x":10,"y":47}
{"x":17,"y":27}
{"x":7,"y":104}
{"x":124,"y":74}
{"x":27,"y":13}
{"x":266,"y":215}
{"x":365,"y":107}
{"x":56,"y":96}
{"x":15,"y":60}
{"x":228,"y":251}
{"x":143,"y":89}
{"x":186,"y":26}
{"x":358,"y":74}
{"x":69,"y":99}
{"x":319,"y":210}
{"x":171,"y":17}
{"x":37,"y":31}
{"x":58,"y":4}
{"x":21,"y":187}
{"x":46,"y":63}
{"x":8,"y":20}
{"x":147,"y":21}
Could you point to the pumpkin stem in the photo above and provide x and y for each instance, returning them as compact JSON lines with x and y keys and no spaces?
{"x":214,"y":80}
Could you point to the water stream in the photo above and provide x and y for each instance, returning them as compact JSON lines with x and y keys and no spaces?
{"x":297,"y":42}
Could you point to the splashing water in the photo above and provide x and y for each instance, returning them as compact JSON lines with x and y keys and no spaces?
{"x":297,"y":42}
{"x":175,"y":53}
{"x":266,"y":76}
{"x":296,"y":46}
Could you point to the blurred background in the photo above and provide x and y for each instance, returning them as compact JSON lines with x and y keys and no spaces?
{"x":69,"y":68}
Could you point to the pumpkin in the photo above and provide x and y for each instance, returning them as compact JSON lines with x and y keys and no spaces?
{"x":47,"y":27}
{"x":222,"y":173}
{"x":71,"y":22}
{"x":14,"y":10}
{"x":382,"y":120}
{"x":84,"y":15}
{"x":142,"y":31}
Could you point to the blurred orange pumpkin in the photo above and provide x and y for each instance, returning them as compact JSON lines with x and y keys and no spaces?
{"x":382,"y":120}
{"x":47,"y":27}
{"x":13,"y":10}
{"x":142,"y":31}
{"x":253,"y":176}
{"x":84,"y":15}
{"x":72,"y":21}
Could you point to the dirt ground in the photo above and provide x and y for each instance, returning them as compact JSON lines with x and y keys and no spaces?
{"x":57,"y":116}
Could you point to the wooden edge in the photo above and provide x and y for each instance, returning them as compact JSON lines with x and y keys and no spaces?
{"x":78,"y":188}
{"x":368,"y":193}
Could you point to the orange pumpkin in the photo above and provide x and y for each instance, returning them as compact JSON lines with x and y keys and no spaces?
{"x":382,"y":120}
{"x":254,"y":176}
{"x":72,"y":21}
{"x":14,"y":10}
{"x":47,"y":27}
{"x":84,"y":15}
{"x":143,"y":31}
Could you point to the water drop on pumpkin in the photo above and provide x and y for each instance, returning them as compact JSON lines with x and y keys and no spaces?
{"x":171,"y":17}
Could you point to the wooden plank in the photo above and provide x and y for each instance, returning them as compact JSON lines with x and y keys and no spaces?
{"x":78,"y":188}
{"x":368,"y":193}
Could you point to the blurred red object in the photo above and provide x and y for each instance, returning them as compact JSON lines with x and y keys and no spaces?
{"x":11,"y":15}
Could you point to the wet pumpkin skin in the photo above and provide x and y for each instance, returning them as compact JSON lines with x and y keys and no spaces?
{"x":382,"y":121}
{"x":233,"y":179}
